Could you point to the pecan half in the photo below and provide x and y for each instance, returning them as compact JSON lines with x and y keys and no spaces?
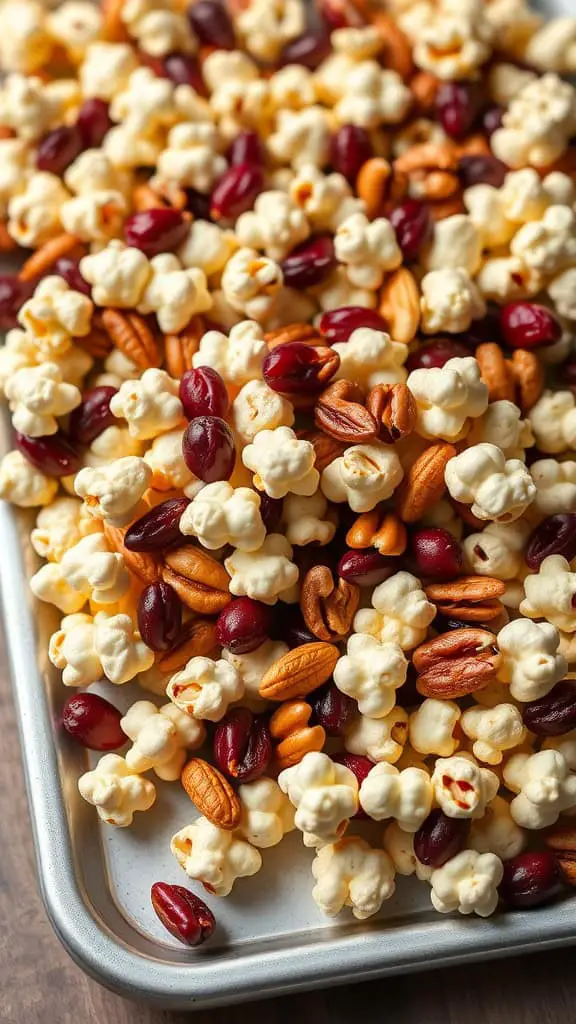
{"x":328,"y":608}
{"x":385,"y":532}
{"x":211,"y":792}
{"x":495,"y":372}
{"x":293,"y":332}
{"x":399,"y":305}
{"x":132,"y":335}
{"x":424,"y":484}
{"x":397,"y":52}
{"x":289,"y":725}
{"x":341,"y":417}
{"x":470,"y":598}
{"x":456,"y":663}
{"x":299,"y":671}
{"x":561,"y":839}
{"x":179,"y":348}
{"x":528,"y":375}
{"x":393,"y":406}
{"x":326,"y":448}
{"x":143,"y":564}
{"x":201,"y":583}
{"x":45,"y":257}
{"x":197,"y":639}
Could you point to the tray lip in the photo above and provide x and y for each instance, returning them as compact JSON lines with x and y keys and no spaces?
{"x":335,"y":960}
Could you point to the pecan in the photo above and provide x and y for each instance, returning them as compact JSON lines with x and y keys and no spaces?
{"x":399,"y":305}
{"x":495,"y":371}
{"x":212,"y":794}
{"x":474,"y":145}
{"x":424,"y":484}
{"x":113,"y":28}
{"x":446,"y":208}
{"x":430,"y":156}
{"x":328,"y":608}
{"x":45,"y":257}
{"x":385,"y":532}
{"x":341,"y":417}
{"x":397,"y":51}
{"x":299,"y":671}
{"x":168,"y":196}
{"x":470,"y":598}
{"x":201,"y":583}
{"x":179,"y":348}
{"x":561,"y":839}
{"x":326,"y":448}
{"x":289,"y":725}
{"x":132,"y":335}
{"x":293,"y":332}
{"x":144,"y":565}
{"x":528,"y":374}
{"x":198,"y":639}
{"x":424,"y":88}
{"x":377,"y":184}
{"x":456,"y":663}
{"x":434,"y":185}
{"x":393,"y":406}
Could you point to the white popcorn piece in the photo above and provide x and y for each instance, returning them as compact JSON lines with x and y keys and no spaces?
{"x":24,"y":485}
{"x":350,"y":873}
{"x":468,"y":883}
{"x":25,"y":42}
{"x":485,"y":211}
{"x":106,"y":69}
{"x":548,"y":245}
{"x":337,"y":291}
{"x":92,"y":171}
{"x":15,"y":168}
{"x":74,"y":25}
{"x":325,"y":795}
{"x":57,"y":528}
{"x":506,"y":80}
{"x":371,"y":672}
{"x":371,"y":357}
{"x":538,"y":123}
{"x":54,"y":314}
{"x":400,"y":613}
{"x":113,"y":492}
{"x":37,"y":395}
{"x":95,"y":571}
{"x":118,"y":275}
{"x":150,"y":405}
{"x":266,"y":26}
{"x":523,"y":197}
{"x":326,"y":199}
{"x":160,"y":738}
{"x":553,"y":46}
{"x":367,"y":248}
{"x":145,"y":105}
{"x":550,"y":594}
{"x":432,"y":728}
{"x":238,"y":358}
{"x":50,"y":585}
{"x":497,"y":832}
{"x":555,"y":486}
{"x":118,"y":645}
{"x":251,"y":283}
{"x":28,"y":106}
{"x":448,"y":397}
{"x":228,"y":64}
{"x":241,"y":106}
{"x":208,"y":247}
{"x":399,"y":846}
{"x":493,"y":730}
{"x":34,"y":213}
{"x":373,"y":97}
{"x":456,"y":243}
{"x":463,"y":788}
{"x":562,"y":291}
{"x":364,"y":475}
{"x":221,"y":514}
{"x":71,"y":648}
{"x":565,"y":745}
{"x":497,"y":488}
{"x":158,"y":27}
{"x":450,"y":301}
{"x":214,"y":857}
{"x":302,"y":137}
{"x":265,"y":574}
{"x":251,"y":667}
{"x":455,"y":39}
{"x":96,"y":217}
{"x":545,"y":787}
{"x":405,"y":796}
{"x":257,"y":407}
{"x":281,"y":463}
{"x":505,"y":279}
{"x":531,"y":660}
{"x":204,"y":688}
{"x":267,"y":814}
{"x":276,"y":224}
{"x":307,"y":520}
{"x":116,"y":791}
{"x":292,"y":87}
{"x":498,"y":550}
{"x":128,"y":149}
{"x":380,"y":739}
{"x":191,"y":158}
{"x":173,"y":294}
{"x":113,"y":443}
{"x":502,"y":425}
{"x":553,"y":420}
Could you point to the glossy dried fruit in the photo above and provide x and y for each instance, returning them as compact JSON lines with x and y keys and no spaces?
{"x":212,"y":24}
{"x":208,"y":448}
{"x":69,"y":269}
{"x":413,"y":225}
{"x":360,"y":766}
{"x":93,"y":721}
{"x":333,"y":710}
{"x":93,"y":121}
{"x":297,"y":368}
{"x":242,"y":745}
{"x":236,"y":191}
{"x":309,"y":49}
{"x":247,"y":147}
{"x":556,"y":535}
{"x":156,"y":231}
{"x":439,"y":838}
{"x":159,"y":616}
{"x":530,"y":879}
{"x":182,"y":913}
{"x":338,"y":324}
{"x":309,"y":263}
{"x":554,"y":714}
{"x":53,"y":455}
{"x":457,"y":106}
{"x":436,"y":553}
{"x":435,"y":353}
{"x":92,"y":416}
{"x":481,"y":169}
{"x":158,"y":528}
{"x":243,"y":625}
{"x":529,"y":325}
{"x":203,"y":393}
{"x":366,"y":568}
{"x":271,"y":511}
{"x":350,"y":148}
{"x":13,"y":294}
{"x":58,"y":149}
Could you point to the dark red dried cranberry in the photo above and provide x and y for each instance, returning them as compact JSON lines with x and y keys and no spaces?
{"x":529,"y":325}
{"x":556,"y":535}
{"x":439,"y":838}
{"x":530,"y":879}
{"x":366,"y":568}
{"x":93,"y":122}
{"x":436,"y":553}
{"x":198,"y":204}
{"x":236,"y":191}
{"x":93,"y":721}
{"x":435,"y":353}
{"x":58,"y":149}
{"x":158,"y":528}
{"x":333,"y":710}
{"x":290,"y":627}
{"x":351,"y":147}
{"x":340,"y":13}
{"x":242,"y":744}
{"x":360,"y":766}
{"x":247,"y":148}
{"x":208,"y":448}
{"x":53,"y":455}
{"x":309,"y":50}
{"x":297,"y":368}
{"x":271,"y":511}
{"x":413,"y":225}
{"x":338,"y":324}
{"x":184,"y":69}
{"x":13,"y":294}
{"x":212,"y":24}
{"x":156,"y":231}
{"x":92,"y":416}
{"x":492,"y":119}
{"x":481,"y":170}
{"x":69,"y":270}
{"x":309,"y":263}
{"x":159,"y":616}
{"x":243,"y":625}
{"x":554,"y":714}
{"x":182,"y":913}
{"x":203,"y":393}
{"x":457,"y":106}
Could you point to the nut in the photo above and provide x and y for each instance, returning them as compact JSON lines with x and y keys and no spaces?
{"x":211,"y":793}
{"x":328,"y":608}
{"x":98,"y":343}
{"x":377,"y":184}
{"x":397,"y":52}
{"x":495,"y":371}
{"x":399,"y":305}
{"x":242,"y":744}
{"x":167,"y":195}
{"x":299,"y":671}
{"x":305,"y":333}
{"x":456,"y":663}
{"x":528,"y":375}
{"x":197,"y":640}
{"x":7,"y":243}
{"x":341,"y":417}
{"x":289,"y":724}
{"x":446,"y":208}
{"x":326,"y":448}
{"x":199,"y":580}
{"x":40,"y":262}
{"x":429,"y":156}
{"x":182,"y":913}
{"x":470,"y":598}
{"x":387,"y":534}
{"x":393,"y":406}
{"x":561,"y":839}
{"x":424,"y":88}
{"x":131,"y":334}
{"x":143,"y":564}
{"x":424,"y":483}
{"x":179,"y":348}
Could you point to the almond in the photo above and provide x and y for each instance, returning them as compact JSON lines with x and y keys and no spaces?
{"x":399,"y":305}
{"x":293,"y":332}
{"x":299,"y":671}
{"x":132,"y":335}
{"x":424,"y":484}
{"x":372,"y":185}
{"x":143,"y":564}
{"x":212,"y":794}
{"x":45,"y":257}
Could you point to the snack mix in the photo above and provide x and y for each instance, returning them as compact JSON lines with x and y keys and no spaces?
{"x":289,"y":364}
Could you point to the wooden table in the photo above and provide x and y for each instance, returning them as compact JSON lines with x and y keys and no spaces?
{"x":39,"y":984}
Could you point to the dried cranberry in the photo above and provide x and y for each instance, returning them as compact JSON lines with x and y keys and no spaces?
{"x":366,"y":568}
{"x":13,"y":294}
{"x":555,"y":535}
{"x":340,"y":13}
{"x":297,"y":368}
{"x":413,"y":225}
{"x":93,"y":722}
{"x":243,"y":625}
{"x":530,"y":879}
{"x":208,"y":448}
{"x":92,"y":416}
{"x":182,"y":913}
{"x":236,"y":191}
{"x":158,"y":528}
{"x":333,"y":710}
{"x":212,"y":24}
{"x":53,"y":455}
{"x":360,"y":766}
{"x":435,"y":353}
{"x":69,"y":269}
{"x":159,"y":616}
{"x":203,"y":393}
{"x":529,"y":325}
{"x":271,"y":511}
{"x":492,"y":119}
{"x":436,"y":553}
{"x":351,"y":147}
{"x":309,"y":50}
{"x":198,"y":204}
{"x":289,"y":626}
{"x":242,"y":745}
{"x":439,"y":838}
{"x":338,"y":324}
{"x":481,"y":170}
{"x":457,"y":106}
{"x":58,"y":149}
{"x":156,"y":231}
{"x":309,"y":263}
{"x":568,"y":373}
{"x":247,"y":148}
{"x":184,"y":69}
{"x":93,"y":122}
{"x":554,"y":714}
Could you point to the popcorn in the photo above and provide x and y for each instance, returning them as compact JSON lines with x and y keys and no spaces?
{"x":405,"y":796}
{"x":257,"y":407}
{"x":399,"y":846}
{"x":325,"y":795}
{"x":208,"y":247}
{"x":115,"y":791}
{"x":456,"y":243}
{"x":555,"y":486}
{"x":150,"y":405}
{"x":71,"y":648}
{"x":448,"y":397}
{"x":371,"y":357}
{"x":493,"y":730}
{"x":49,"y":584}
{"x":106,"y":69}
{"x":365,"y":475}
{"x":432,"y":728}
{"x":145,"y":105}
{"x":119,"y":647}
{"x":497,"y":488}
{"x":54,"y":314}
{"x":160,"y":738}
{"x":281,"y":463}
{"x":497,"y":832}
{"x":34,"y":213}
{"x":113,"y":492}
{"x":266,"y":26}
{"x":531,"y":661}
{"x":191,"y":158}
{"x":28,"y":106}
{"x":37,"y":395}
{"x":173,"y":294}
{"x":96,"y":572}
{"x":371,"y":672}
{"x":468,"y":883}
{"x":302,"y":137}
{"x":503,"y":426}
{"x":96,"y":217}
{"x":455,"y":41}
{"x":265,"y":574}
{"x":326,"y":199}
{"x":553,"y":420}
{"x":550,"y":594}
{"x":292,"y":87}
{"x":204,"y":688}
{"x":544,"y":785}
{"x":562,"y":291}
{"x":238,"y":358}
{"x":506,"y":279}
{"x":307,"y":520}
{"x":498,"y":550}
{"x":241,"y":106}
{"x":113,"y":443}
{"x":267,"y":814}
{"x":553,"y":47}
{"x":349,"y":873}
{"x":25,"y":44}
{"x":547,"y":246}
{"x":250,"y":284}
{"x":538,"y":123}
{"x":214,"y":857}
{"x":23,"y":484}
{"x":251,"y":667}
{"x":565,"y":745}
{"x":233,"y":65}
{"x":15,"y":167}
{"x":462,"y":788}
{"x":57,"y":528}
{"x":400,"y":613}
{"x":74,"y":25}
{"x":373,"y":97}
{"x":276,"y":224}
{"x":158,"y":28}
{"x":118,"y":275}
{"x":485,"y":211}
{"x":221,"y":514}
{"x":380,"y":739}
{"x":450,"y":301}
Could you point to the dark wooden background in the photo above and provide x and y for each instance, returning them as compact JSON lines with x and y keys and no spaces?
{"x":39,"y":984}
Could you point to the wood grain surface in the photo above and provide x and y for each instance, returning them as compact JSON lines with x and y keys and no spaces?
{"x":39,"y":984}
